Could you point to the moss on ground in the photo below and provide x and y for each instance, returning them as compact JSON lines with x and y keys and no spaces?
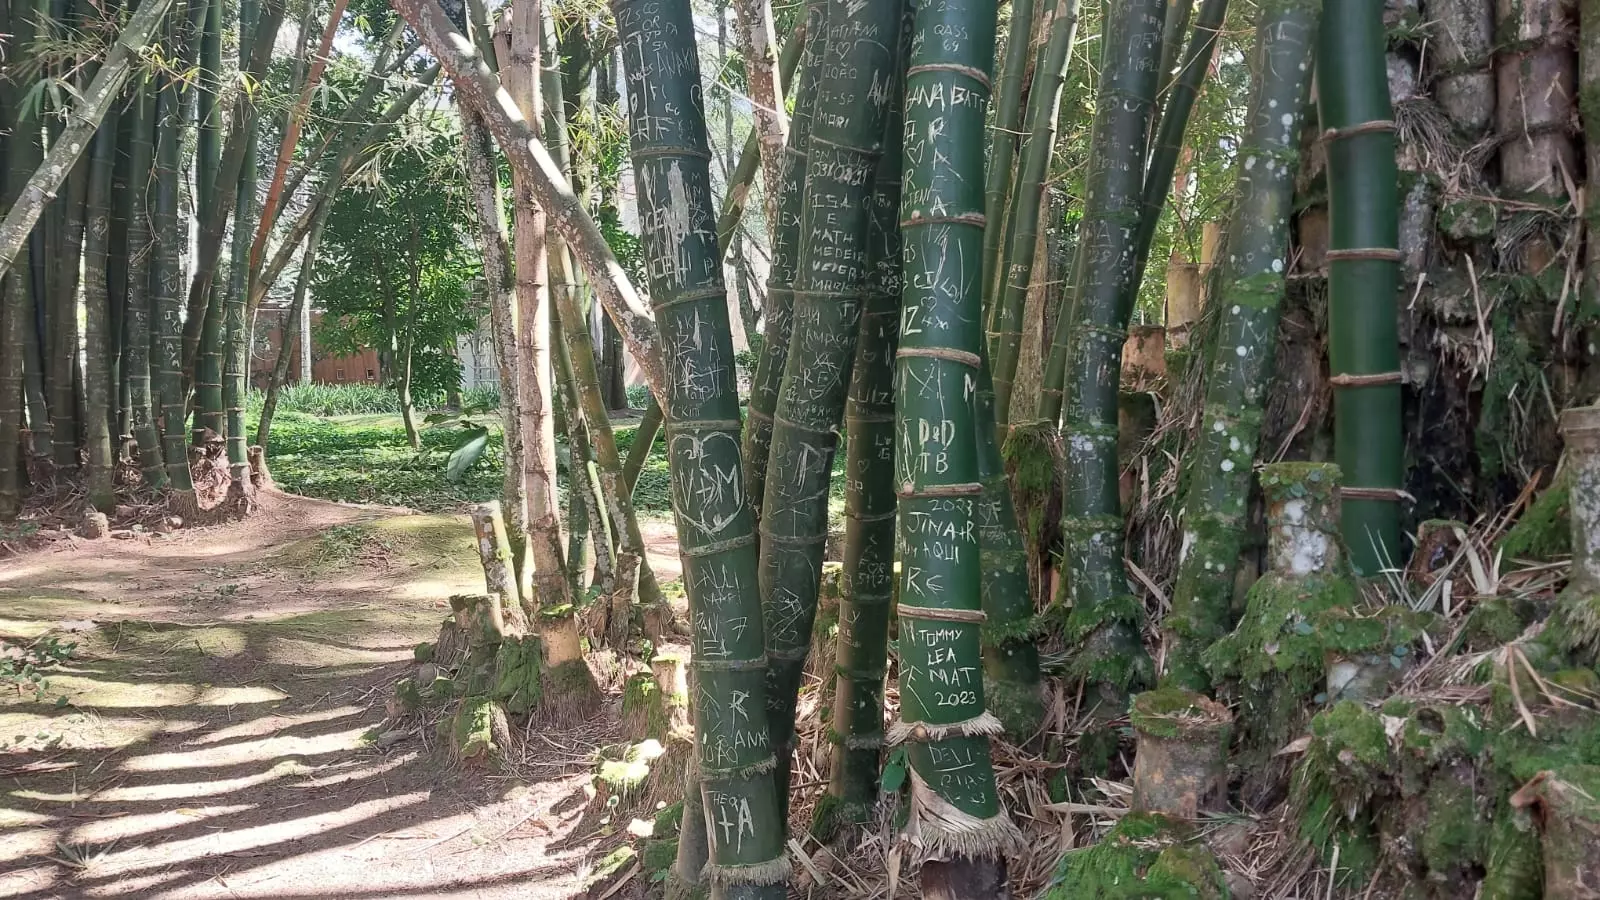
{"x":1145,"y":857}
{"x":1544,"y":530}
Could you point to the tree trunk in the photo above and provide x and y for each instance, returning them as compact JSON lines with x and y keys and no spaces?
{"x":744,"y":172}
{"x":1008,"y":109}
{"x":861,"y":655}
{"x":98,"y":383}
{"x":1014,"y":265}
{"x":295,"y":332}
{"x":1363,"y":278}
{"x":81,"y":125}
{"x":141,"y":296}
{"x":534,"y":361}
{"x":716,"y":530}
{"x":861,"y":44}
{"x":1169,"y":137}
{"x":258,"y":33}
{"x":768,"y":378}
{"x":759,"y":45}
{"x":1252,"y":284}
{"x":61,"y":334}
{"x":481,"y":90}
{"x":955,"y":808}
{"x":1102,"y":629}
{"x":636,"y":580}
{"x":166,"y":278}
{"x":236,"y":326}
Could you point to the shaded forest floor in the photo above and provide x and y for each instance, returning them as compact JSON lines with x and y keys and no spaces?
{"x":218,"y":729}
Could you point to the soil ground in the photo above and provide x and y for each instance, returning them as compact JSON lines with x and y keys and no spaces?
{"x":219,"y":730}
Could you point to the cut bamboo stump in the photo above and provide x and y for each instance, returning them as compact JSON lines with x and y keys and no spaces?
{"x":494,"y":551}
{"x":1181,"y":769}
{"x":1578,"y":610}
{"x":479,"y":731}
{"x":1567,"y":802}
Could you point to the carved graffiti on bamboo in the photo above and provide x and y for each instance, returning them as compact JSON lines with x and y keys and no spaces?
{"x":707,"y":491}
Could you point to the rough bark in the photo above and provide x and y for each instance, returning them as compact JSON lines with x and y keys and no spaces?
{"x":759,"y":45}
{"x":1252,"y":288}
{"x":482,"y":91}
{"x":545,"y":556}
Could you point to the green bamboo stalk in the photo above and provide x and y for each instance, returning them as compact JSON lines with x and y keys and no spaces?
{"x":744,"y":173}
{"x":1363,"y":277}
{"x":639,"y":579}
{"x":867,"y":589}
{"x":73,"y":139}
{"x":1008,"y":111}
{"x":23,"y":151}
{"x":263,"y":33}
{"x":955,"y":808}
{"x":166,"y":279}
{"x":767,"y":381}
{"x":1010,"y":653}
{"x":99,"y":388}
{"x":716,"y":527}
{"x":235,"y":326}
{"x":208,"y":411}
{"x":62,"y":375}
{"x":1169,"y":136}
{"x":1016,"y":266}
{"x":858,"y":79}
{"x":1250,"y":289}
{"x":141,"y":257}
{"x":644,"y":438}
{"x":280,"y":367}
{"x":1173,"y":25}
{"x":1102,"y":628}
{"x":208,"y":144}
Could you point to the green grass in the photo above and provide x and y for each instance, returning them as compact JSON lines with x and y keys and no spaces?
{"x":364,"y":458}
{"x":357,"y":452}
{"x":355,"y":399}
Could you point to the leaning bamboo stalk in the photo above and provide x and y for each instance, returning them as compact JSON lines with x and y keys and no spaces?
{"x":292,"y":332}
{"x":482,"y":90}
{"x":81,"y":125}
{"x":944,"y":723}
{"x":1015,"y":266}
{"x":1363,"y":277}
{"x":1169,"y":136}
{"x":291,"y":136}
{"x":759,"y":45}
{"x":861,"y":45}
{"x":715,"y":523}
{"x":1102,"y":628}
{"x":1252,"y":287}
{"x":767,"y":381}
{"x":1008,"y":118}
{"x":750,"y":157}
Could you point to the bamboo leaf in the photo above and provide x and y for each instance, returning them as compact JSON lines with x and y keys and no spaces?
{"x":467,"y":454}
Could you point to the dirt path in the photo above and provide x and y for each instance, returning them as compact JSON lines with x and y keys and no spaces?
{"x":219,"y":731}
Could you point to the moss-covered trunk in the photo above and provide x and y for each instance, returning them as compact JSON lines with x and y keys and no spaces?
{"x":1250,"y":290}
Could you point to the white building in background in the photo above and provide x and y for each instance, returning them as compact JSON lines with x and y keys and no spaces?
{"x":476,"y":353}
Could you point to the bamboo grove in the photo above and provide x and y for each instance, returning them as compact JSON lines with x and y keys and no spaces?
{"x":994,"y":480}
